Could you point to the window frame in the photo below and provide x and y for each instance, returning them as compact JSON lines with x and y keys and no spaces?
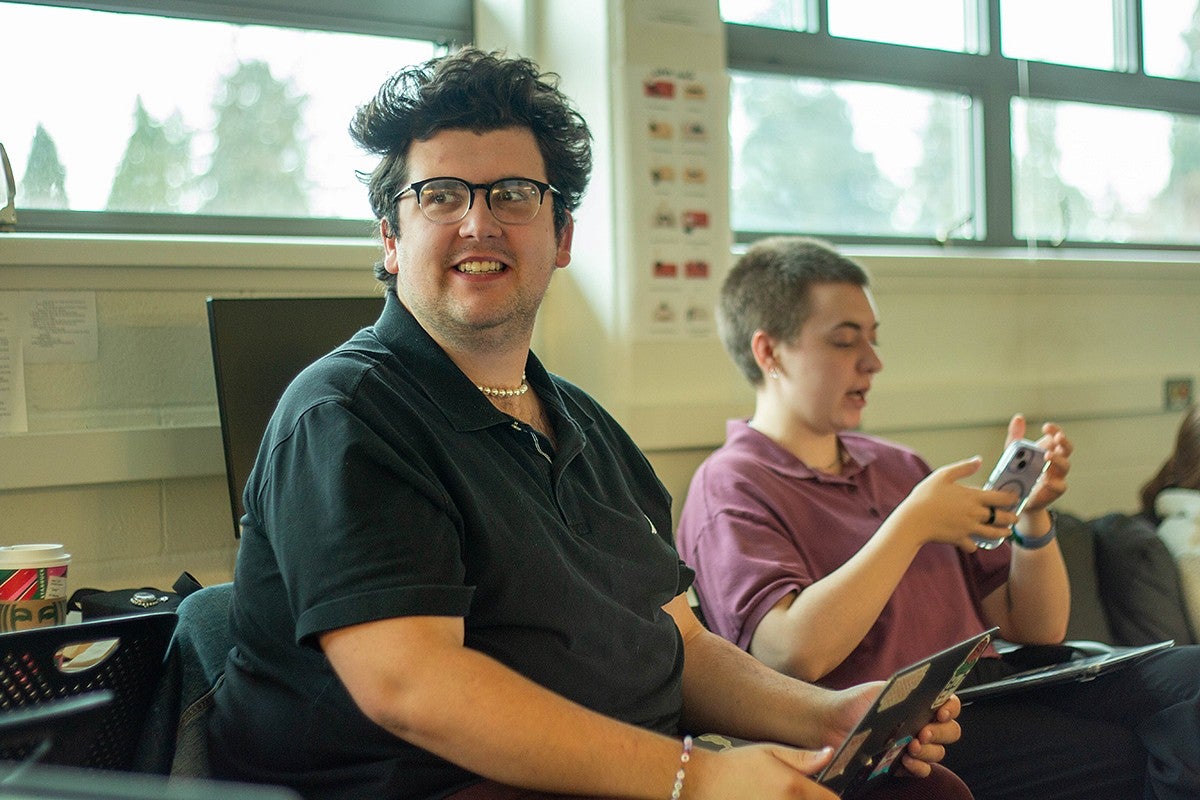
{"x":446,"y":23}
{"x":989,"y":78}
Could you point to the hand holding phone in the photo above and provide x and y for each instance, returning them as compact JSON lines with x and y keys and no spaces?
{"x":1018,"y":470}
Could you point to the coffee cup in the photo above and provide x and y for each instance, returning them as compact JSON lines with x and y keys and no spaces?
{"x":33,"y":585}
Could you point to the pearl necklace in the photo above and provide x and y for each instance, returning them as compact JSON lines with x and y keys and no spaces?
{"x":492,"y":391}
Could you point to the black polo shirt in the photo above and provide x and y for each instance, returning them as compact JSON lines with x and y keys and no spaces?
{"x":387,"y":485}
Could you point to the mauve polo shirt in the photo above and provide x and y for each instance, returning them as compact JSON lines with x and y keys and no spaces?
{"x":758,"y":524}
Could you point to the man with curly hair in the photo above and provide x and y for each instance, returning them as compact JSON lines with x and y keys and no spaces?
{"x":455,"y":577}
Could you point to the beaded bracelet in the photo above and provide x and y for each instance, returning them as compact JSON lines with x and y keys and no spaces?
{"x":684,"y":758}
{"x":1037,"y":542}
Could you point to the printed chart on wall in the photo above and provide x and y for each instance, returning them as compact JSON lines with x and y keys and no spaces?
{"x":681,"y":208}
{"x":13,"y":417}
{"x":40,"y":328}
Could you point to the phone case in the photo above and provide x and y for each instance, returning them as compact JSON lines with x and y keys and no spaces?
{"x":1018,"y":470}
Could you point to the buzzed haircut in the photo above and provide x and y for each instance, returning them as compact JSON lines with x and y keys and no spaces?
{"x":768,"y":289}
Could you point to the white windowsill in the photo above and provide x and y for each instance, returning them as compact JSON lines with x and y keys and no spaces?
{"x":116,"y":250}
{"x":252,"y":252}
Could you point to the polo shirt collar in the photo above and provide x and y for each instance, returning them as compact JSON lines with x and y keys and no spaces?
{"x":464,"y":406}
{"x":775,"y":456}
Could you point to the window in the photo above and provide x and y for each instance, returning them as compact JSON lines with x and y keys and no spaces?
{"x":944,"y":24}
{"x":846,"y":157}
{"x":1172,"y":33}
{"x":140,"y":122}
{"x":1076,"y":176}
{"x":995,"y":122}
{"x":1082,"y":33}
{"x":783,"y":14}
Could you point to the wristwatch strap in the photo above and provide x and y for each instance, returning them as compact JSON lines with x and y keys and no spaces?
{"x":1036,"y":542}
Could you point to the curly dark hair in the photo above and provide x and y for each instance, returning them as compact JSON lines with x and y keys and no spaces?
{"x":480,"y":92}
{"x":768,"y":290}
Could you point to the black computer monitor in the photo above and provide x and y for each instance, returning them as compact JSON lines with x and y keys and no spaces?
{"x":258,"y":345}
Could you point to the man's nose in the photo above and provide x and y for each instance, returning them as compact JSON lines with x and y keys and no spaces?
{"x":479,"y":220}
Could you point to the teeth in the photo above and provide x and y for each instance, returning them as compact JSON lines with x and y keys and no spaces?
{"x":480,"y":267}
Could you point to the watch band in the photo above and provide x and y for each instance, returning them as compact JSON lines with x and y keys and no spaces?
{"x":1036,"y":542}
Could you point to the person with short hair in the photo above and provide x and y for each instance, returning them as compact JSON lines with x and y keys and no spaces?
{"x":837,"y":557}
{"x":455,"y":577}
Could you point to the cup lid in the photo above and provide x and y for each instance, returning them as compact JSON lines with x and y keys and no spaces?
{"x":17,"y":556}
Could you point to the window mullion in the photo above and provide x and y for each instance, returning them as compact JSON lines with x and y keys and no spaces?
{"x":1127,"y":36}
{"x":1078,"y":84}
{"x":997,"y":163}
{"x":993,"y":28}
{"x":820,"y":15}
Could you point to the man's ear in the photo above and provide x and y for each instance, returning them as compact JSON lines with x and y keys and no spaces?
{"x":390,"y":262}
{"x":563,"y":256}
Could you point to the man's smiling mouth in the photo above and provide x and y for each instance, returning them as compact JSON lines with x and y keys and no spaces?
{"x":479,"y":267}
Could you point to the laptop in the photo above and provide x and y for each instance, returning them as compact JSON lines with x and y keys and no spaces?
{"x":907,"y":703}
{"x":1084,"y":668}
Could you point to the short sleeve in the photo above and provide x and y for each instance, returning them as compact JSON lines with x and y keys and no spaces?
{"x":331,"y":490}
{"x":744,"y":561}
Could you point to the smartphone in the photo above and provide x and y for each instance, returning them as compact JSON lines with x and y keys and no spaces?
{"x":1018,"y":470}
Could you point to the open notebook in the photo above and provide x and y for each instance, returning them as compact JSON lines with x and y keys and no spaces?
{"x":1077,"y":669}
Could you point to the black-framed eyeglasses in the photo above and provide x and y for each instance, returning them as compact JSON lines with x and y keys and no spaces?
{"x":445,"y":200}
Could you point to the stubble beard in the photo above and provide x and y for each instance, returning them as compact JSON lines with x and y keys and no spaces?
{"x":456,"y":325}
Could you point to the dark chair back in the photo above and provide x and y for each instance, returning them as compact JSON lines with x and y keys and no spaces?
{"x":258,"y":345}
{"x":175,"y":737}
